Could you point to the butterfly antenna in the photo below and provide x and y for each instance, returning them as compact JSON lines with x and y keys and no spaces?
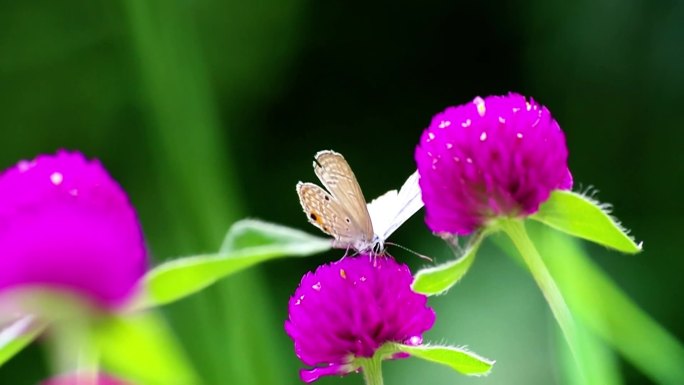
{"x":346,"y":253}
{"x":421,"y":256}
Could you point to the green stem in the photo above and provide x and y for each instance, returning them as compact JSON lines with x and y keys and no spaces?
{"x":372,"y":370}
{"x":515,"y":229}
{"x":71,"y":348}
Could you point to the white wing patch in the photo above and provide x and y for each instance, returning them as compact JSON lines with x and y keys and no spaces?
{"x":392,"y":209}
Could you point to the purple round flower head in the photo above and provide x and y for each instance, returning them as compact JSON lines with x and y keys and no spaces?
{"x":350,"y":308}
{"x":498,"y":156}
{"x":66,"y":224}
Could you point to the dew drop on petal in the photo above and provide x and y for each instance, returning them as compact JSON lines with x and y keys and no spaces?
{"x":480,"y":105}
{"x":444,"y":124}
{"x":316,"y":286}
{"x":449,"y":146}
{"x":431,"y":136}
{"x":483,"y":136}
{"x":24,"y":165}
{"x":519,"y":135}
{"x":56,"y":178}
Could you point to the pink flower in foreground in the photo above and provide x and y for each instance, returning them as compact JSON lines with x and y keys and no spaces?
{"x":498,"y":156}
{"x":85,"y":379}
{"x":65,"y":223}
{"x":350,"y":308}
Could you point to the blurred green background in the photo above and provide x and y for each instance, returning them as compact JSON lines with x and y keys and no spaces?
{"x":208,"y":111}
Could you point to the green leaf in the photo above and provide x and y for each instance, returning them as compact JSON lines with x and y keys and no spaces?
{"x":247,"y":243}
{"x":459,"y":359}
{"x":585,"y":218}
{"x":18,"y":335}
{"x":438,"y":279}
{"x":142,"y":348}
{"x":598,"y":303}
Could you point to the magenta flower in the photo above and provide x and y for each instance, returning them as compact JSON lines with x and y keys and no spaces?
{"x":349,"y":309}
{"x":498,"y":156}
{"x":85,"y":379}
{"x":66,"y":224}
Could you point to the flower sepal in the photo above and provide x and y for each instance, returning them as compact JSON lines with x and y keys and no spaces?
{"x":456,"y":358}
{"x":438,"y":279}
{"x":583,"y":217}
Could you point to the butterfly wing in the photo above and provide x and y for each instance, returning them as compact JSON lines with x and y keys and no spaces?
{"x":392,"y":209}
{"x":338,"y":178}
{"x":325,"y":212}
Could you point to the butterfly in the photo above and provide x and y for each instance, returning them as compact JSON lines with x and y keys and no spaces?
{"x":342,"y":212}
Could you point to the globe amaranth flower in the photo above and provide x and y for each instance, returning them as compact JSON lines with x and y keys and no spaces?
{"x":85,"y":379}
{"x":348,"y":309}
{"x":497,"y":156}
{"x":66,"y":224}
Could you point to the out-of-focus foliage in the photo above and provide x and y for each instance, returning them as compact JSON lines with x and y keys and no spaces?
{"x":210,"y":111}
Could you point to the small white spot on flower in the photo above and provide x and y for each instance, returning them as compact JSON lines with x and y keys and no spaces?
{"x":25,"y":165}
{"x":414,"y":341}
{"x":480,"y":104}
{"x":56,"y":178}
{"x":483,"y":136}
{"x":502,"y":120}
{"x":363,"y":278}
{"x":466,"y":123}
{"x":73,"y":192}
{"x":316,"y":286}
{"x":519,"y":135}
{"x":469,"y":160}
{"x":449,"y":146}
{"x":444,"y":124}
{"x":431,"y":136}
{"x":457,"y":159}
{"x":515,"y":109}
{"x":528,"y":106}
